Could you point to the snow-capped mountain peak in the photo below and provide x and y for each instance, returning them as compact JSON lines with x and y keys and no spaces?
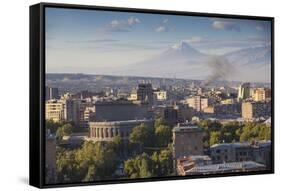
{"x":181,"y":46}
{"x":183,"y":49}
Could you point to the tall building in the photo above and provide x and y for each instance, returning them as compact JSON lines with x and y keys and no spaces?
{"x":145,"y":93}
{"x":252,"y":110}
{"x":262,"y":94}
{"x":72,"y":111}
{"x":198,"y":102}
{"x":243,"y":91}
{"x":187,"y":140}
{"x":51,"y":93}
{"x":54,"y":110}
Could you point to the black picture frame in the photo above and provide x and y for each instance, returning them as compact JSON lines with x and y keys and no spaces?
{"x":37,"y":92}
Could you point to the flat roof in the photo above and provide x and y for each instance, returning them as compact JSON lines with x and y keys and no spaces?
{"x":186,"y":128}
{"x":247,"y":165}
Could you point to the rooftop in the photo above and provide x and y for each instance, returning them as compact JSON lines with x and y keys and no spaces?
{"x":186,"y":128}
{"x":120,"y":122}
{"x":246,"y":165}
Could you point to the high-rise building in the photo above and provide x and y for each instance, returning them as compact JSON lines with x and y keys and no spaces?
{"x":54,"y":110}
{"x":198,"y":103}
{"x":262,"y":94}
{"x":145,"y":93}
{"x":243,"y":91}
{"x":51,"y":93}
{"x":72,"y":111}
{"x":187,"y":140}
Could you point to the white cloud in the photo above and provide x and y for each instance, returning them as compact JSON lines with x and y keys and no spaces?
{"x":124,"y":25}
{"x":133,"y":20}
{"x":222,"y":24}
{"x":161,"y":29}
{"x":165,"y":20}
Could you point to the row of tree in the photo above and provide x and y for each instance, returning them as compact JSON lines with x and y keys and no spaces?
{"x":216,"y":132}
{"x":154,"y":157}
{"x":159,"y":164}
{"x":91,"y":162}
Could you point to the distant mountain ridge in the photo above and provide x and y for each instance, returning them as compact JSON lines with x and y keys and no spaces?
{"x":183,"y":61}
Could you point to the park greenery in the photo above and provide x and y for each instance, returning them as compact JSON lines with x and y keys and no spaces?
{"x":229,"y":132}
{"x":147,"y":153}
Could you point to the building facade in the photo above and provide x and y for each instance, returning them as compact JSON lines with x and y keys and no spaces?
{"x":198,"y":103}
{"x":120,"y":111}
{"x":106,"y":131}
{"x":51,"y":93}
{"x":145,"y":93}
{"x":259,"y":151}
{"x":54,"y":110}
{"x":187,"y":140}
{"x":243,"y":91}
{"x":254,"y":110}
{"x":262,"y":94}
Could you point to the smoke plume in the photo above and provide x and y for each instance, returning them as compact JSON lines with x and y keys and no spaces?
{"x":220,"y":68}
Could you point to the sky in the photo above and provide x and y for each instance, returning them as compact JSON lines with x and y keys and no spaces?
{"x":88,"y":41}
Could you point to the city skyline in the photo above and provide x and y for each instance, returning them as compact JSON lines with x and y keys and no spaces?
{"x":104,"y":42}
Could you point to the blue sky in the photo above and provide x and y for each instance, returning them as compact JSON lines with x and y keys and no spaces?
{"x":87,"y":40}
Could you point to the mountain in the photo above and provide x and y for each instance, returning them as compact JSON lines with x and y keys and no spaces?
{"x":183,"y":61}
{"x":256,"y":56}
{"x":182,"y":50}
{"x":180,"y":60}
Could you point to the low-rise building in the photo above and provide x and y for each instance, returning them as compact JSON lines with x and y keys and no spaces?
{"x":160,"y":95}
{"x":245,"y":166}
{"x":186,"y":163}
{"x":259,"y":151}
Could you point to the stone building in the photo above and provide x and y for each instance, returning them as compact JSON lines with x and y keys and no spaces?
{"x":106,"y":131}
{"x":120,"y":110}
{"x":187,"y":140}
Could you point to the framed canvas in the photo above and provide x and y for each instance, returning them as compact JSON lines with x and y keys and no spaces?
{"x":122,"y":95}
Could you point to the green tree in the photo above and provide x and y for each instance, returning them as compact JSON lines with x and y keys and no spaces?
{"x":139,"y":167}
{"x":64,"y":130}
{"x":52,"y":126}
{"x":142,"y":135}
{"x":264,"y":132}
{"x":159,"y":121}
{"x":66,"y":166}
{"x":99,"y":160}
{"x":215,"y":137}
{"x":93,"y":161}
{"x":163,"y":134}
{"x":163,"y":162}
